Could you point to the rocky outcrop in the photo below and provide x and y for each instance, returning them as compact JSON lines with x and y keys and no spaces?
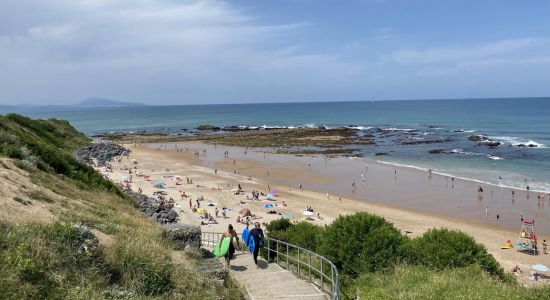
{"x":478,"y":138}
{"x":155,"y":209}
{"x":183,"y":236}
{"x":493,"y":143}
{"x":101,"y":152}
{"x":208,"y":127}
{"x":89,"y":243}
{"x":422,"y":142}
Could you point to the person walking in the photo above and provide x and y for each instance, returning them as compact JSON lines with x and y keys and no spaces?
{"x":230,"y":232}
{"x":258,"y":235}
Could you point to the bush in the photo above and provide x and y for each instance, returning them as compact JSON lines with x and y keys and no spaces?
{"x":419,"y":282}
{"x":305,"y":235}
{"x":361,"y":243}
{"x":277,"y":229}
{"x":443,"y":248}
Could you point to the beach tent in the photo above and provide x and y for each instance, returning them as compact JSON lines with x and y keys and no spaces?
{"x":540,"y":268}
{"x":268,"y":205}
{"x":269,"y":196}
{"x":160,"y":185}
{"x":245,"y":212}
{"x":201,"y":211}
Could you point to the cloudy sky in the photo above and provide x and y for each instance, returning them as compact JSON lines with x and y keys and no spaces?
{"x":192,"y":51}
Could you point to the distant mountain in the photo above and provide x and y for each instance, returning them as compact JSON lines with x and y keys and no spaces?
{"x":99,"y":102}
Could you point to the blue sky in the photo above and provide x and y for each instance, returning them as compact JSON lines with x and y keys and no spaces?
{"x":186,"y":52}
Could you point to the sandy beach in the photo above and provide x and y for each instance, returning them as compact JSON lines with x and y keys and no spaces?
{"x":214,"y":176}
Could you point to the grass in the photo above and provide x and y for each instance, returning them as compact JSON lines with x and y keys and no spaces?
{"x":409,"y":282}
{"x":22,"y":201}
{"x":48,"y":261}
{"x":40,"y":196}
{"x":132,"y":259}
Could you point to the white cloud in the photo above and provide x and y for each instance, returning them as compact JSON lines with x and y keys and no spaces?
{"x":73,"y":49}
{"x":461,"y":53}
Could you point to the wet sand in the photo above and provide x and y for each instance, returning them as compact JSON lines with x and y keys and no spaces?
{"x":400,"y":186}
{"x":409,"y":200}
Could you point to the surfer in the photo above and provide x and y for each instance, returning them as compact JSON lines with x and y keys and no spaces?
{"x":233,"y":235}
{"x":258,"y":235}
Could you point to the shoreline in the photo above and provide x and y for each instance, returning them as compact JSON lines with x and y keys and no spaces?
{"x":414,"y":222}
{"x":410,"y":188}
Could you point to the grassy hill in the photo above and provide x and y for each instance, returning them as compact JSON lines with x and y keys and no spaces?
{"x":67,"y":233}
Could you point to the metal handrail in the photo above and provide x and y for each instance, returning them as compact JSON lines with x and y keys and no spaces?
{"x":284,"y":250}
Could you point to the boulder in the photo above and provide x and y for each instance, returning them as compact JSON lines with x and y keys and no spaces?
{"x":478,"y":138}
{"x":183,"y":236}
{"x":493,"y":143}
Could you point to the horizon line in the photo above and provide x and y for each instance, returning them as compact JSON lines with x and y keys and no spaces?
{"x":74,"y":105}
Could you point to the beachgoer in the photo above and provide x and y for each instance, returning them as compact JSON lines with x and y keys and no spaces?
{"x":544,"y":247}
{"x":216,"y":212}
{"x":257,"y":234}
{"x":498,"y":218}
{"x":233,"y":235}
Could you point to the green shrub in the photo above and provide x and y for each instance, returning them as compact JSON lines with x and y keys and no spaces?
{"x":361,"y":243}
{"x":443,"y":248}
{"x":304,"y":234}
{"x":419,"y":282}
{"x":276,"y":229}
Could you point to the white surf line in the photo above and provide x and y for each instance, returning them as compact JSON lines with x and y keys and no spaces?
{"x":459,"y":177}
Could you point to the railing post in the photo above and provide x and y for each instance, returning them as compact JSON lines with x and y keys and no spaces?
{"x":299,"y":262}
{"x":268,"y":250}
{"x":309,"y":265}
{"x":321,"y":260}
{"x":287,"y":262}
{"x":332,"y":279}
{"x":277,"y":252}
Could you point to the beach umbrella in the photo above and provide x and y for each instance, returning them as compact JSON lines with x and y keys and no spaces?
{"x":273,"y":191}
{"x":270,"y":196}
{"x":307,"y":213}
{"x":288,"y":216}
{"x":540,"y":268}
{"x":268,"y":205}
{"x":201,"y":211}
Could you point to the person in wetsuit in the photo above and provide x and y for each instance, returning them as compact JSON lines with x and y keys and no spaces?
{"x":257,"y":234}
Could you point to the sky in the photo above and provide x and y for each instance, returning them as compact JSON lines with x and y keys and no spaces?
{"x":201,"y":52}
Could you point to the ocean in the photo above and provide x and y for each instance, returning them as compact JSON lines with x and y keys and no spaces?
{"x":425,"y":134}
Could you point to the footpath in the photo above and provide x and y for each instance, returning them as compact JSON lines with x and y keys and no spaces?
{"x":270,"y":281}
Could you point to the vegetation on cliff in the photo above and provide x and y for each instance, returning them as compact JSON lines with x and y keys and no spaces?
{"x":68,"y":233}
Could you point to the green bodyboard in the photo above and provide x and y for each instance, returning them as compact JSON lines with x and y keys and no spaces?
{"x":221,"y":248}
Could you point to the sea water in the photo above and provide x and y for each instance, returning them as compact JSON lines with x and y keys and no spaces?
{"x":514,"y":122}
